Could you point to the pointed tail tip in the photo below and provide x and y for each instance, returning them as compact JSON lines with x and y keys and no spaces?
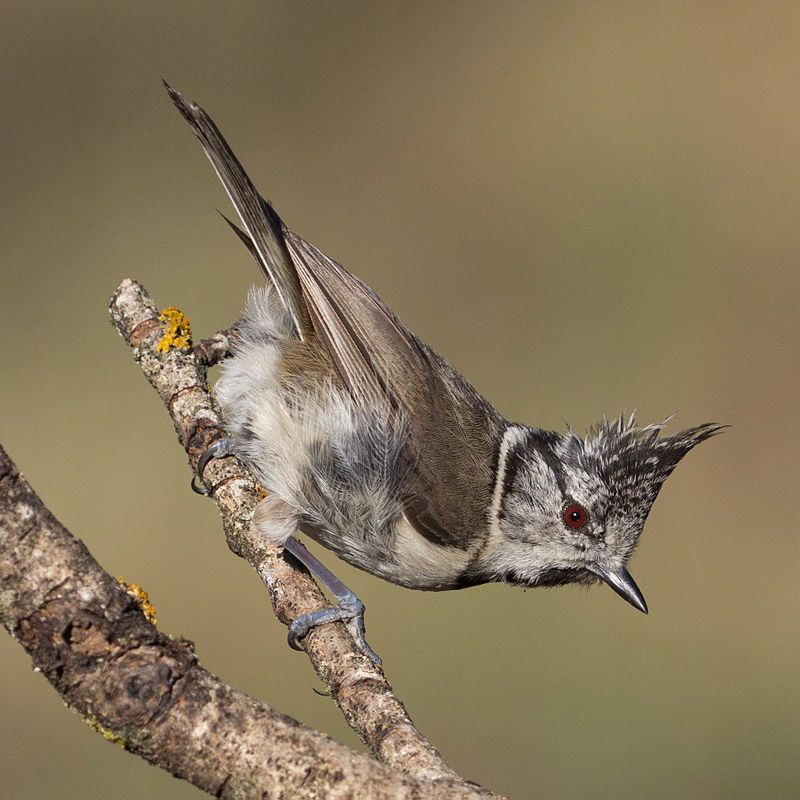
{"x":186,"y":107}
{"x":173,"y":93}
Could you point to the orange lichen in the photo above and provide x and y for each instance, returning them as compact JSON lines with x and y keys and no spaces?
{"x":140,"y":596}
{"x":177,"y":330}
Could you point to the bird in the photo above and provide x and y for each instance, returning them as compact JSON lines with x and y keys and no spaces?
{"x":371,"y":444}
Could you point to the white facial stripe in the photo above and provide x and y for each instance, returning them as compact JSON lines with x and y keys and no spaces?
{"x":513,"y":436}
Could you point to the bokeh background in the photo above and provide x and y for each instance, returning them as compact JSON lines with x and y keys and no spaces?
{"x":588,"y":208}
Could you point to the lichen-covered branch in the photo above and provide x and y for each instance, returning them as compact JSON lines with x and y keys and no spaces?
{"x":358,"y":686}
{"x":146,"y":691}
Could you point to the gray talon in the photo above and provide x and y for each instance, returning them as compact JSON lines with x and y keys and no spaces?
{"x":198,"y":488}
{"x":219,"y":449}
{"x":356,"y":627}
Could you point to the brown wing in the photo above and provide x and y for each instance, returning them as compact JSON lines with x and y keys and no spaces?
{"x":453,"y":430}
{"x":374,"y":352}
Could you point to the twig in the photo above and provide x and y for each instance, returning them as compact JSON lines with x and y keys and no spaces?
{"x":358,"y":686}
{"x":217,"y":347}
{"x":145,"y":691}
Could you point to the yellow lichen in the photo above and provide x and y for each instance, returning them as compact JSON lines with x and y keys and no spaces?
{"x":177,"y":330}
{"x":140,"y":596}
{"x":108,"y":735}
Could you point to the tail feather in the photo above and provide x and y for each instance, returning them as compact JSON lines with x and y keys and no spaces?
{"x":243,"y":237}
{"x":263,"y":228}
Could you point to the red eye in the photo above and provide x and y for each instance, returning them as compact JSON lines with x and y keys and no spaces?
{"x":575,"y":516}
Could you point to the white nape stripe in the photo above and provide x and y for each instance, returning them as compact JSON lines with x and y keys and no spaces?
{"x":513,"y":436}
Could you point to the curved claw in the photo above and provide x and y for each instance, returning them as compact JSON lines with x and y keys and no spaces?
{"x":357,"y":630}
{"x":295,"y":635}
{"x":219,"y":449}
{"x":199,"y":488}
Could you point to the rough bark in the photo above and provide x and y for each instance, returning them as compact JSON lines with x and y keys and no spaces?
{"x":146,"y":691}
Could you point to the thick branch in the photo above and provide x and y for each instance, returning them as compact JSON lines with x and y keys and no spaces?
{"x":146,"y":690}
{"x":358,"y":686}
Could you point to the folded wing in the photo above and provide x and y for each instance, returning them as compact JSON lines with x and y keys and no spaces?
{"x":453,"y":430}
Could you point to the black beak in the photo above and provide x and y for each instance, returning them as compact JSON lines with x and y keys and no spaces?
{"x":622,"y":582}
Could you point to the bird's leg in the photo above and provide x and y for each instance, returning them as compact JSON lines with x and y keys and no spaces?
{"x":272,"y":518}
{"x":349,"y":609}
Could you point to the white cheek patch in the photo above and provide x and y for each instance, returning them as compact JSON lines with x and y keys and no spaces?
{"x":527,"y":513}
{"x":526,"y":562}
{"x":526,"y":532}
{"x":541,"y":486}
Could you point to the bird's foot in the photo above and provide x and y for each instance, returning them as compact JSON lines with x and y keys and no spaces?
{"x":220,"y":449}
{"x":349,"y":609}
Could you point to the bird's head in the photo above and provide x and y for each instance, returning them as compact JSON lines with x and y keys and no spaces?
{"x":570,"y":509}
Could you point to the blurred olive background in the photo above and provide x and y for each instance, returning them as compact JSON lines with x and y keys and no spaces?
{"x":588,"y":208}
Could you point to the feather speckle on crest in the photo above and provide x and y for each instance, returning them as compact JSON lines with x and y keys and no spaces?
{"x":635,"y":461}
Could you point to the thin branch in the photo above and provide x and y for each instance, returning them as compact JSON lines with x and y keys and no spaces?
{"x":357,"y":685}
{"x":145,"y":691}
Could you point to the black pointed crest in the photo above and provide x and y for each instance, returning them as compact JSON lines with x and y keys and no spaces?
{"x":635,"y":461}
